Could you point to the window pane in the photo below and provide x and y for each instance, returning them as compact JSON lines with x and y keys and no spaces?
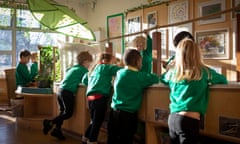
{"x":5,"y":40}
{"x":5,"y":16}
{"x":26,"y":19}
{"x":5,"y":60}
{"x":31,"y":40}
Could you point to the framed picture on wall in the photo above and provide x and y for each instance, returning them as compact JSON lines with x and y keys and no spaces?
{"x":211,"y":7}
{"x":213,"y":44}
{"x":151,"y":19}
{"x":133,"y":25}
{"x":178,"y":12}
{"x":235,"y":3}
{"x":115,"y":28}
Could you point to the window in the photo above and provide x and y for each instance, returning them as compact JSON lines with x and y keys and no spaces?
{"x":19,"y":30}
{"x":5,"y":16}
{"x":31,"y":40}
{"x":25,"y":19}
{"x":5,"y":40}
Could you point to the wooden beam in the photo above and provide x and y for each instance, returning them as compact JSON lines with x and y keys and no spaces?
{"x":238,"y":48}
{"x":156,"y":44}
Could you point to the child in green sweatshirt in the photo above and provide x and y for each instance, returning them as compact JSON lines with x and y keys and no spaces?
{"x":66,"y":94}
{"x":188,"y":80}
{"x":23,"y":75}
{"x":144,"y":46}
{"x":99,"y":90}
{"x":129,"y":85}
{"x":34,"y":66}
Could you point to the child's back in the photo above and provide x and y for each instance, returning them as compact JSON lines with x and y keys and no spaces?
{"x":127,"y":98}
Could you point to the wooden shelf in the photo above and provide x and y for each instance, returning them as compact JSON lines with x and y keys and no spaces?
{"x":37,"y":107}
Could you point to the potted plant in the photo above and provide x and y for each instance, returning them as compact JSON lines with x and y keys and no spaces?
{"x":48,"y":57}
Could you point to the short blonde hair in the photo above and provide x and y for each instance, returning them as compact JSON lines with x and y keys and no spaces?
{"x":139,"y":39}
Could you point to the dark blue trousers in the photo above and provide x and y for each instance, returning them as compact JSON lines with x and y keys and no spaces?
{"x":122,"y":126}
{"x":98,"y":109}
{"x":66,"y":102}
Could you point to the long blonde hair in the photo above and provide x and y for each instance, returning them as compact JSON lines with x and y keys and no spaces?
{"x":189,"y":63}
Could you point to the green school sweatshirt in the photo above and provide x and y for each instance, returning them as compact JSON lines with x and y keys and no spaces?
{"x":191,"y":95}
{"x":73,"y":78}
{"x":100,"y":79}
{"x":128,"y":89}
{"x":34,"y":70}
{"x":23,"y":76}
{"x":147,"y":56}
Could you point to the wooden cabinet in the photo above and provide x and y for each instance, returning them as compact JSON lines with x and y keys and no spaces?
{"x":221,"y":120}
{"x":37,"y":107}
{"x":3,"y":91}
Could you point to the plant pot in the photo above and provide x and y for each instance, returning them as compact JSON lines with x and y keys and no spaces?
{"x":44,"y":84}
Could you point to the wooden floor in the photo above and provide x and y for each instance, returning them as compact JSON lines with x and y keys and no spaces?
{"x":11,"y":134}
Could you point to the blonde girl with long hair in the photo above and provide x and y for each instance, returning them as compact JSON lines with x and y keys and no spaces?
{"x":188,"y":81}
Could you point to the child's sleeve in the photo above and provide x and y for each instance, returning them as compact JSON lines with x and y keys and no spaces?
{"x":85,"y":79}
{"x":165,"y":77}
{"x":149,"y":79}
{"x":148,"y":49}
{"x":216,"y":78}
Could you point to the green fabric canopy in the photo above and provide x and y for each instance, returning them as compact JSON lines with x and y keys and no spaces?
{"x":60,"y":18}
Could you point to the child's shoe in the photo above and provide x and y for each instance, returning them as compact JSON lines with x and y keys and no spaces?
{"x":58,"y":134}
{"x":84,"y":140}
{"x":88,"y":142}
{"x":47,"y":126}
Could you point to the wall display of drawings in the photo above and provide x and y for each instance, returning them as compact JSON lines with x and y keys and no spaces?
{"x":161,"y":114}
{"x":229,"y":126}
{"x":115,"y":27}
{"x":234,"y":4}
{"x":210,"y":7}
{"x":213,"y":44}
{"x":133,"y":25}
{"x":178,"y":12}
{"x":151,"y":19}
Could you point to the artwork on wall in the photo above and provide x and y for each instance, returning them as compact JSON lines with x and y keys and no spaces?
{"x":178,"y":12}
{"x":161,"y":114}
{"x":213,"y":44}
{"x":151,"y":19}
{"x":229,"y":126}
{"x":133,"y":25}
{"x":115,"y":27}
{"x":235,"y":3}
{"x":211,"y":7}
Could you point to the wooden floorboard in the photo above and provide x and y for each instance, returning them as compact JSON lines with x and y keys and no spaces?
{"x":11,"y":134}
